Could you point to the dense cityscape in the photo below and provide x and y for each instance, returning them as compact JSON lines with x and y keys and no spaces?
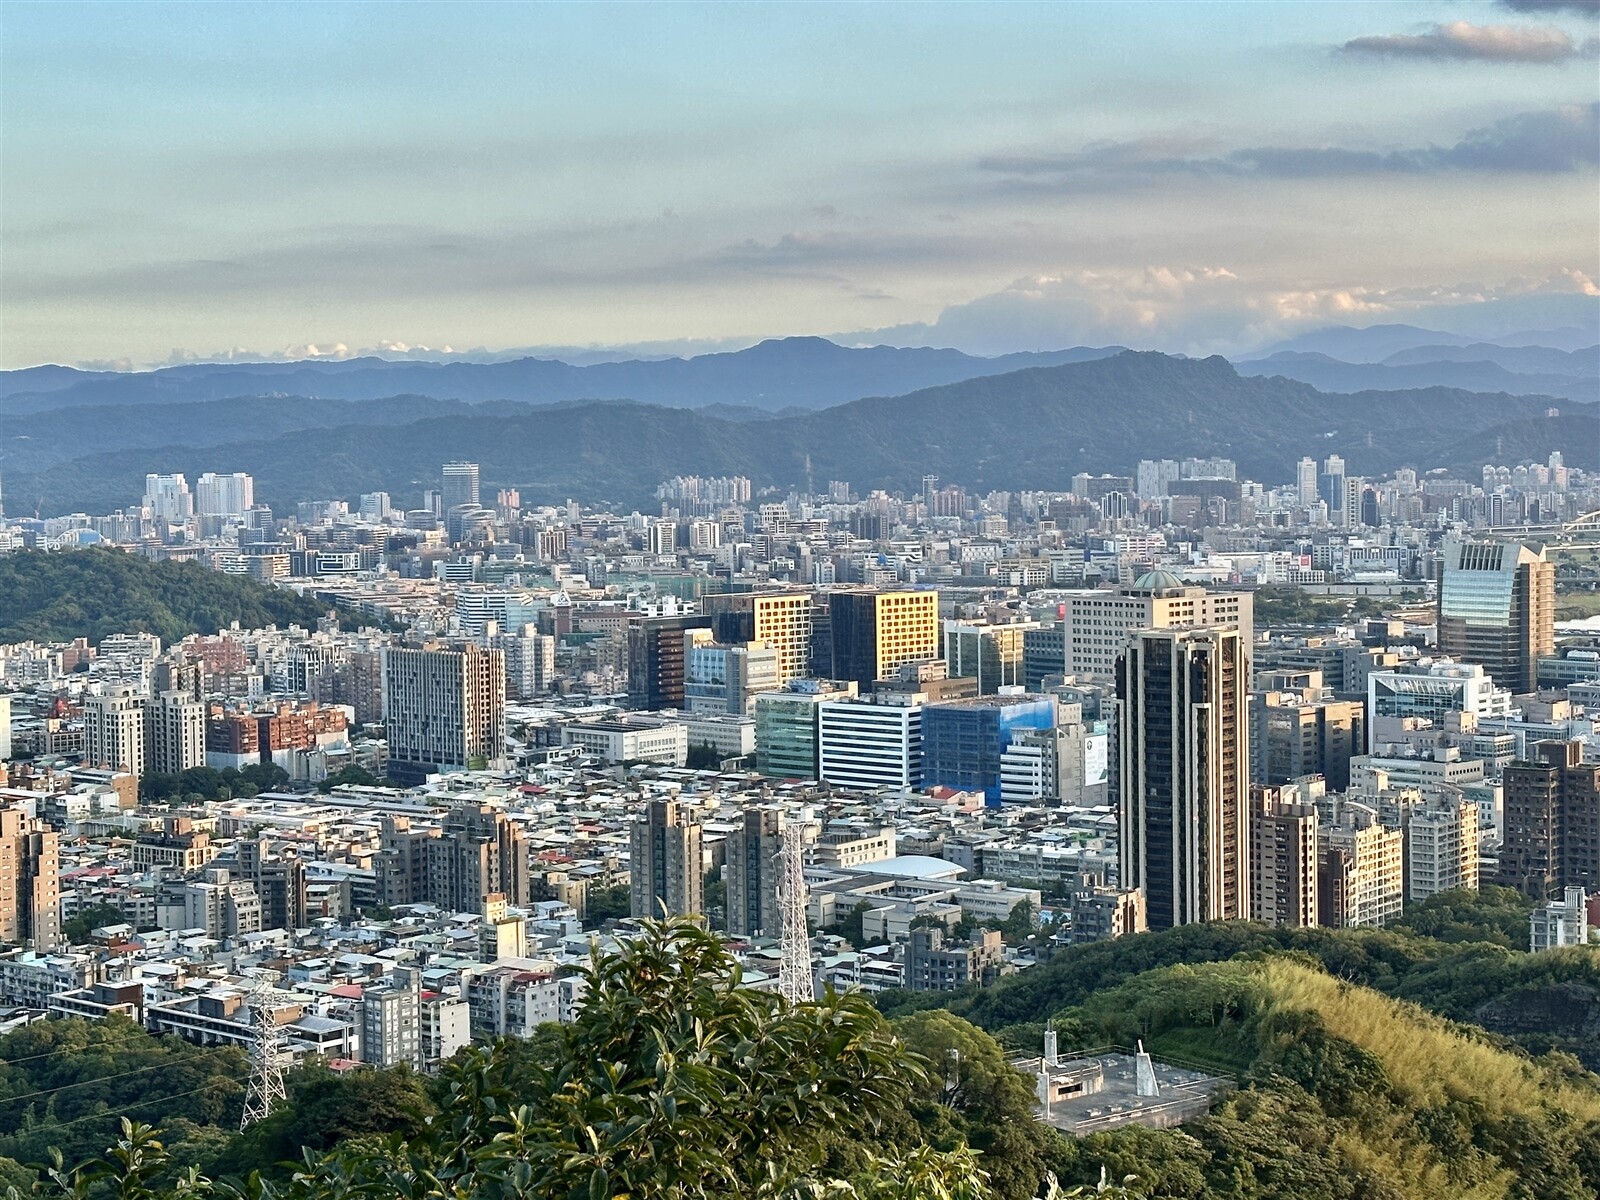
{"x":754,"y":601}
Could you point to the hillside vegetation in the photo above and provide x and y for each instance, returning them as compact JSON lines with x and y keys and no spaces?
{"x":94,"y":592}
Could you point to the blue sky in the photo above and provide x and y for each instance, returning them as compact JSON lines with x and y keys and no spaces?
{"x":184,"y":179}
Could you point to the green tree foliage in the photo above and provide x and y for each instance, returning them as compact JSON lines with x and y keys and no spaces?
{"x":606,"y":904}
{"x":78,"y":929}
{"x":703,"y":757}
{"x":207,"y":783}
{"x":1497,"y":915}
{"x":94,"y":592}
{"x":350,"y":776}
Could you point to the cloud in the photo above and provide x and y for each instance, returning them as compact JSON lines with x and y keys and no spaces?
{"x":1586,"y":8}
{"x":1197,"y":309}
{"x":1464,"y":40}
{"x":1554,"y":141}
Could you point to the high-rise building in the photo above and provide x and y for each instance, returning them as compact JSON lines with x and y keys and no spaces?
{"x":990,"y":654}
{"x":666,"y":863}
{"x":782,"y":620}
{"x":1306,"y":482}
{"x":1292,"y":736}
{"x":786,"y":727}
{"x":443,"y":709}
{"x":1497,"y":608}
{"x":1551,"y":839}
{"x":1283,"y":857}
{"x":30,"y":881}
{"x":1361,"y":875}
{"x":1184,"y":773}
{"x":1331,"y":488}
{"x":530,"y":662}
{"x":475,"y":854}
{"x":113,"y":730}
{"x":175,"y":733}
{"x":863,"y":744}
{"x":657,"y":660}
{"x":965,"y":742}
{"x":168,"y":498}
{"x":874,"y":632}
{"x":460,"y":486}
{"x":751,"y":874}
{"x":1441,"y":845}
{"x":224,"y":495}
{"x":1098,"y":623}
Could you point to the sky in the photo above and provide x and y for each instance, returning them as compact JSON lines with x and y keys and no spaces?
{"x":191,"y":180}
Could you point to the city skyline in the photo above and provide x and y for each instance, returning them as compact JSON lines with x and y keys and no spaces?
{"x":263,"y":181}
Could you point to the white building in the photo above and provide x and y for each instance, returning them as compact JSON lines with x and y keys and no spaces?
{"x":1563,"y":922}
{"x":625,"y":742}
{"x":175,"y":733}
{"x":113,"y":730}
{"x":224,"y":495}
{"x":864,"y":745}
{"x":1097,"y":622}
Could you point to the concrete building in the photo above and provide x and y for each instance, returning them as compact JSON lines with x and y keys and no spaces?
{"x":990,"y":654}
{"x":631,"y":742}
{"x":781,"y":620}
{"x":113,"y":730}
{"x":1430,"y":690}
{"x":175,"y":733}
{"x":965,"y":742}
{"x":1441,"y":845}
{"x":1098,"y":623}
{"x":1184,"y":773}
{"x":873,"y":633}
{"x":1563,"y":922}
{"x":30,"y":885}
{"x":460,"y":486}
{"x":1361,"y":877}
{"x":391,"y":1021}
{"x":1283,"y":856}
{"x":751,"y":874}
{"x":1551,"y":837}
{"x":786,"y":727}
{"x":1496,"y":608}
{"x":1292,"y":736}
{"x":666,"y":863}
{"x":866,"y":744}
{"x":443,"y":709}
{"x":933,"y":966}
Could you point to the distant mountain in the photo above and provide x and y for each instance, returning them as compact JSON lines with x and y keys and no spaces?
{"x":809,"y":373}
{"x":1532,"y":360}
{"x":1333,"y":375}
{"x":1372,"y":344}
{"x":1033,"y":428}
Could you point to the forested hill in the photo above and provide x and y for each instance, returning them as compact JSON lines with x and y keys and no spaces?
{"x":94,"y":592}
{"x":1031,"y":428}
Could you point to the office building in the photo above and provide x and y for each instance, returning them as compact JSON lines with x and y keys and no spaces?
{"x":874,"y":632}
{"x":990,"y":654}
{"x":1098,"y":623}
{"x":964,"y":742}
{"x":1551,"y":839}
{"x":1183,"y":774}
{"x":175,"y":733}
{"x":113,"y":730}
{"x":870,"y":743}
{"x":1497,"y":608}
{"x":30,"y":881}
{"x":666,"y":864}
{"x":751,"y":873}
{"x":1067,"y":765}
{"x":443,"y":710}
{"x":1431,"y":690}
{"x":1044,"y":654}
{"x":726,"y":679}
{"x":460,"y":486}
{"x":781,"y":620}
{"x":786,"y":726}
{"x":1283,"y":857}
{"x":657,"y":656}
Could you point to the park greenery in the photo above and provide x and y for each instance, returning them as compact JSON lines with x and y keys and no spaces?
{"x":96,"y":592}
{"x":1361,"y":1066}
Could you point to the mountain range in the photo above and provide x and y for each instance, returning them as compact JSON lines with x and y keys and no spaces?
{"x":1029,"y":428}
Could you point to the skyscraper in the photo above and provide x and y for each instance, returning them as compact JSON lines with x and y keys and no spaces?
{"x":460,"y":485}
{"x":168,"y":498}
{"x":175,"y":733}
{"x":666,"y":862}
{"x":1306,"y":482}
{"x":113,"y":730}
{"x":443,"y":709}
{"x":1184,"y":773}
{"x":30,"y":871}
{"x":1098,"y":622}
{"x":873,"y":632}
{"x":780,"y":619}
{"x":224,"y":495}
{"x":1497,"y":608}
{"x":752,"y":875}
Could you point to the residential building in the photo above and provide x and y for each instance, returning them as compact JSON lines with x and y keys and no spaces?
{"x":175,"y":733}
{"x":933,"y":966}
{"x":1496,"y":608}
{"x":443,"y":709}
{"x":1184,"y":773}
{"x":1103,"y":913}
{"x":1292,"y":736}
{"x":1098,"y":623}
{"x":1361,"y":876}
{"x":113,"y":730}
{"x":391,"y":1021}
{"x":751,"y":873}
{"x":1283,"y":856}
{"x":30,"y":881}
{"x":1441,"y":845}
{"x":666,"y":863}
{"x":1551,"y":836}
{"x":1563,"y":922}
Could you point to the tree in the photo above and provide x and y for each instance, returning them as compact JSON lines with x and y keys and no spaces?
{"x":606,"y":904}
{"x":77,"y":930}
{"x":703,"y":757}
{"x":349,"y":776}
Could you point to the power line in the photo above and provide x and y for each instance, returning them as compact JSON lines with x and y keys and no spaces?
{"x":82,"y":1083}
{"x":101,"y":1116}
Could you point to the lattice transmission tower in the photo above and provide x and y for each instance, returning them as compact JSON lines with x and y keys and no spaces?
{"x":267,"y":1054}
{"x":794,"y":971}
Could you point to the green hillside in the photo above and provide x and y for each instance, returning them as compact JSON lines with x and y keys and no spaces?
{"x":94,"y":592}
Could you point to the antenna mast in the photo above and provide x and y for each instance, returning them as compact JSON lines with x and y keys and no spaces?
{"x":794,"y":972}
{"x":266,"y":1054}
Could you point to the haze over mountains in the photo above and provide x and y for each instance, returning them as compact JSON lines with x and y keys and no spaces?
{"x":1028,"y":428}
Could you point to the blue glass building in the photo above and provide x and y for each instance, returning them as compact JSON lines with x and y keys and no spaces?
{"x":962,"y":740}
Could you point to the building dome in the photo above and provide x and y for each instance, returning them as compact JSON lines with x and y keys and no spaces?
{"x":1157,"y":581}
